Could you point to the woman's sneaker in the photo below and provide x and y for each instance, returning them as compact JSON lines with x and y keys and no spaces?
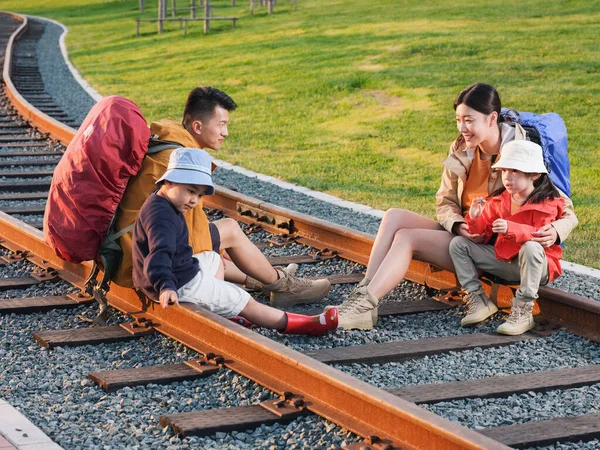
{"x":520,"y":319}
{"x":480,"y":307}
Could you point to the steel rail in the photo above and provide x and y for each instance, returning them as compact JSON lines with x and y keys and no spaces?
{"x":45,"y":123}
{"x":358,"y":406}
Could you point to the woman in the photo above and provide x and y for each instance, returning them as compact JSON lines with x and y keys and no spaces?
{"x":404,"y":235}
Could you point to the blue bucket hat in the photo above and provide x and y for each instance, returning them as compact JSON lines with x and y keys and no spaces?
{"x":190,"y":166}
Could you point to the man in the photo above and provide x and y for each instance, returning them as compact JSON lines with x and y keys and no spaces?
{"x":204,"y":125}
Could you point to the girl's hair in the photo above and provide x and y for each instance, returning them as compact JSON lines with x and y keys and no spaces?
{"x":543,"y":189}
{"x":481,"y":97}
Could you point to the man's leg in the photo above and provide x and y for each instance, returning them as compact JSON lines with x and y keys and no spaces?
{"x":243,"y":253}
{"x":286,"y":290}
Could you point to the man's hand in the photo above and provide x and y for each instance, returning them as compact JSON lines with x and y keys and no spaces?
{"x":500,"y":226}
{"x":463,"y":230}
{"x":477,"y":207}
{"x":546,"y":236}
{"x":168,"y":296}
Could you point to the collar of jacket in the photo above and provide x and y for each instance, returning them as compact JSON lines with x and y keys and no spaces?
{"x":548,"y":207}
{"x":172,"y":131}
{"x":459,"y":161}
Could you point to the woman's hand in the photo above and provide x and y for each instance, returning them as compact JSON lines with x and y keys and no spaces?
{"x":546,"y":236}
{"x":168,"y":296}
{"x":500,"y":226}
{"x":462,"y":229}
{"x":477,"y":207}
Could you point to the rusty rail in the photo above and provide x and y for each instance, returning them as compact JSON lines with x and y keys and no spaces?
{"x":358,"y":406}
{"x":45,"y":123}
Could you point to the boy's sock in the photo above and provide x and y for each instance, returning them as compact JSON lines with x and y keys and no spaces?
{"x":311,"y":325}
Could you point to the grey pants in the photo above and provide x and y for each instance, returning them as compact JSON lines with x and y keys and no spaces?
{"x":529,"y":269}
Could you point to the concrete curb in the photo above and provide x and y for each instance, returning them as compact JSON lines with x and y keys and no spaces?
{"x":21,"y":433}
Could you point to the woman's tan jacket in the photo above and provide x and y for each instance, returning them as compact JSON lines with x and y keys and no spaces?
{"x":454,"y":177}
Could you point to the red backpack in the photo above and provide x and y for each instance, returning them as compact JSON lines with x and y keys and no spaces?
{"x":91,"y":177}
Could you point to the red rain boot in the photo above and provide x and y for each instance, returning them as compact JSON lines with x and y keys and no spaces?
{"x":312,"y":325}
{"x":242,"y":321}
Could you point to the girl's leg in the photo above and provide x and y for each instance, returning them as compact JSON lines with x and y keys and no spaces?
{"x":533,"y":271}
{"x":430,"y":245}
{"x":394,"y":220}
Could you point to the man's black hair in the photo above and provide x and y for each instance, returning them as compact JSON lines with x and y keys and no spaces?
{"x":202,"y":101}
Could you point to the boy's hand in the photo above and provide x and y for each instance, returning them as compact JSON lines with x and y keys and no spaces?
{"x":500,"y":226}
{"x":477,"y":207}
{"x":168,"y":296}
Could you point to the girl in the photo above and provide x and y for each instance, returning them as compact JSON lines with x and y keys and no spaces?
{"x":527,"y":201}
{"x":404,"y":235}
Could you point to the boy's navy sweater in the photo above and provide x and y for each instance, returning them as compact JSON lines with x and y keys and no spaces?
{"x":162,"y":256}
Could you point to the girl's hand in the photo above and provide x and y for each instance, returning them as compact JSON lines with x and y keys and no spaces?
{"x":463,"y":230}
{"x":477,"y":207}
{"x":168,"y":296}
{"x":500,"y":226}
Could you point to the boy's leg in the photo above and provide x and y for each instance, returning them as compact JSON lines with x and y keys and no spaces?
{"x":286,"y":289}
{"x":289,"y":323}
{"x":244,"y":254}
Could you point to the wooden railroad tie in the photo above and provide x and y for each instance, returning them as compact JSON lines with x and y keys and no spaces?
{"x":95,"y":335}
{"x":206,"y":423}
{"x":500,"y":386}
{"x":112,"y":380}
{"x":547,"y":432}
{"x":403,"y":350}
{"x":40,"y":304}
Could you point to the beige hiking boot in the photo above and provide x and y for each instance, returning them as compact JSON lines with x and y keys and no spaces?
{"x":480,"y":308}
{"x":374,"y":311}
{"x":520,"y":319}
{"x":290,"y":290}
{"x":359,"y":311}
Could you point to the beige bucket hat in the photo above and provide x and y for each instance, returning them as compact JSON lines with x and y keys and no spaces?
{"x":525,"y":156}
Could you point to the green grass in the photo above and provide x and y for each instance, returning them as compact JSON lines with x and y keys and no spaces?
{"x":354,"y":98}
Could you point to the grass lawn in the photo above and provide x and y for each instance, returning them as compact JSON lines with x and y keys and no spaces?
{"x":354,"y":97}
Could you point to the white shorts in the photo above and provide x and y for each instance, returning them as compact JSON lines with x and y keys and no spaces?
{"x":218,"y":296}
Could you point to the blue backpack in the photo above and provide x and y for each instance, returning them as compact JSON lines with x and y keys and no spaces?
{"x":549,"y":131}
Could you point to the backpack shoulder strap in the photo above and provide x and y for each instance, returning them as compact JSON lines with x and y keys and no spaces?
{"x":520,"y":133}
{"x":156,"y":145}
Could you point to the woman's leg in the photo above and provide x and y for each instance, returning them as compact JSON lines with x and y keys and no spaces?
{"x":429,"y":245}
{"x":244,"y":254}
{"x":394,"y":220}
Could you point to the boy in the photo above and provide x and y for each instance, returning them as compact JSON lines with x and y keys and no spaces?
{"x":165,"y":269}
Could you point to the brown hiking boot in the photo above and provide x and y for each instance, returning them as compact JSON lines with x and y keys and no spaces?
{"x":290,"y":290}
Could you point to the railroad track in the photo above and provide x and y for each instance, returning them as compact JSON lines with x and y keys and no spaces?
{"x":300,"y":372}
